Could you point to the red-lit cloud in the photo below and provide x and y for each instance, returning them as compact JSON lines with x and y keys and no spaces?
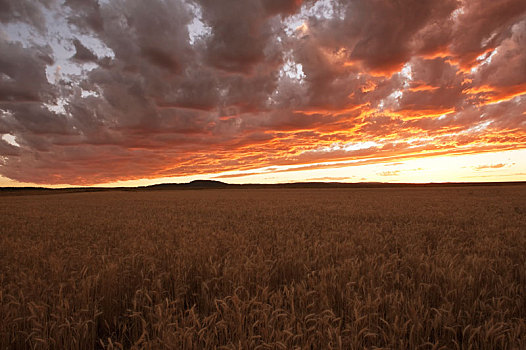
{"x":168,"y":88}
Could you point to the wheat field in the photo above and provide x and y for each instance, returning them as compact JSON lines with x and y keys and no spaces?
{"x":404,"y":268}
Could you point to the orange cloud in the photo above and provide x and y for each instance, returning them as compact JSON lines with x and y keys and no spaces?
{"x":491,"y":166}
{"x":423,"y":87}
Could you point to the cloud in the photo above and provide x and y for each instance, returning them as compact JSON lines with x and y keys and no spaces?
{"x":26,"y":11}
{"x":23,"y":73}
{"x":229,"y":176}
{"x":82,"y":53}
{"x":389,"y":173}
{"x":168,"y":88}
{"x":492,"y":166}
{"x":484,"y":25}
{"x":330,"y":178}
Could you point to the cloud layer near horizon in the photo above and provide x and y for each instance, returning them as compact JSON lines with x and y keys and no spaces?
{"x":101,"y":91}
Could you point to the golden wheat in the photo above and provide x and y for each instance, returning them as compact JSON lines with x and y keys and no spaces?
{"x":426,"y":268}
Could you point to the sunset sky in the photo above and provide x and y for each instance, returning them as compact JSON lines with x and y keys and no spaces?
{"x":133,"y":92}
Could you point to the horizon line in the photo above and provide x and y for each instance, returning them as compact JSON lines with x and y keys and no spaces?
{"x":203,"y":182}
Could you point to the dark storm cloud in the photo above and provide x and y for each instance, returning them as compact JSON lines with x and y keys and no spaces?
{"x":23,"y":73}
{"x":82,"y":53}
{"x":167,"y":88}
{"x":508,"y":61}
{"x":483,"y":25}
{"x":27,"y":11}
{"x":7,"y":149}
{"x":384,"y":34}
{"x":241,"y":32}
{"x":86,"y":15}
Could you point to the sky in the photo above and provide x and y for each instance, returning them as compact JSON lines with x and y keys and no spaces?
{"x":132,"y":92}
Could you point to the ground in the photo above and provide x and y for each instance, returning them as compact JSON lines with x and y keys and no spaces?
{"x":265,"y":268}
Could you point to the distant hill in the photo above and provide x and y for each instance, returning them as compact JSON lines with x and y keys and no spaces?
{"x":196,"y":184}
